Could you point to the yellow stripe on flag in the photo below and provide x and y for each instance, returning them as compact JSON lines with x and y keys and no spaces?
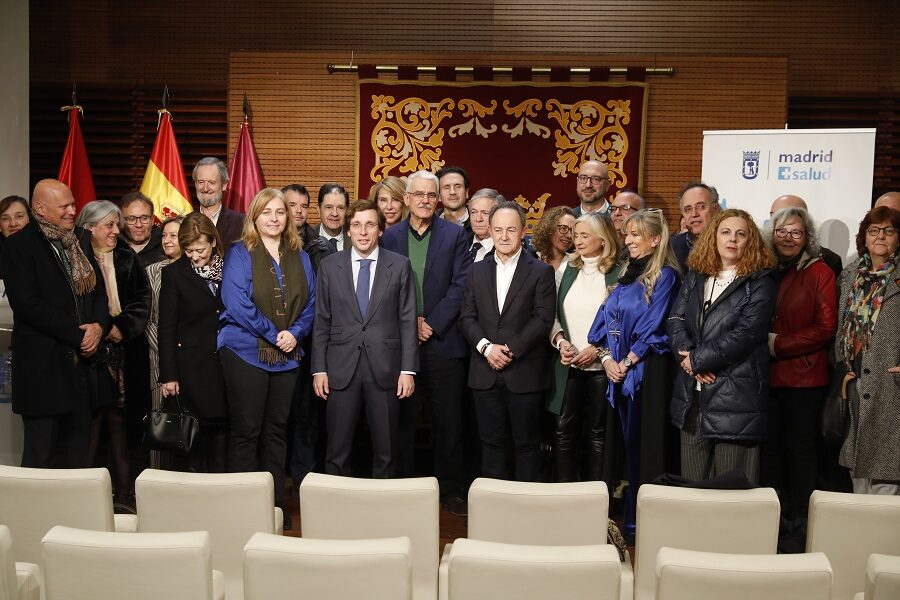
{"x":167,"y":200}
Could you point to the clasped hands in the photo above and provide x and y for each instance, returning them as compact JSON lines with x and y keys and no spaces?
{"x":570,"y":356}
{"x":499,"y":357}
{"x":704,"y":378}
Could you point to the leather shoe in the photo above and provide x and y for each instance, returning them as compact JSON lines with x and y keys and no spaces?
{"x":457,"y":506}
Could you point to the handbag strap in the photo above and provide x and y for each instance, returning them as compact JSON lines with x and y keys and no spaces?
{"x":847,"y":379}
{"x":181,"y":409}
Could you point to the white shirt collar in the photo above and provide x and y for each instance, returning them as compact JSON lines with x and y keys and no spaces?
{"x":354,"y":255}
{"x":512,"y":262}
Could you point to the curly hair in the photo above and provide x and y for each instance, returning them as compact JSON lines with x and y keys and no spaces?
{"x":705,"y":259}
{"x":542,"y":236}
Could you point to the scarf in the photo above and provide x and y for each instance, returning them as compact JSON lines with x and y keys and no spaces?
{"x":864,"y":304}
{"x":211,"y":271}
{"x":78,"y":268}
{"x":108,"y":270}
{"x":281,"y":305}
{"x":634,"y":269}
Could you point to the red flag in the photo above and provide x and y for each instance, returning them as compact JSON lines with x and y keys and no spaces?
{"x":246,"y":177}
{"x":164,"y":182}
{"x":75,"y":171}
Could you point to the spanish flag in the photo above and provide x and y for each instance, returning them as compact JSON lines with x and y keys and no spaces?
{"x":75,"y":170}
{"x":164,"y":181}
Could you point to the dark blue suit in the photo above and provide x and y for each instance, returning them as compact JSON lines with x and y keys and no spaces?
{"x":443,"y":356}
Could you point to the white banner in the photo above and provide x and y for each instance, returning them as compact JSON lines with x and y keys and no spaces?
{"x":829,"y":168}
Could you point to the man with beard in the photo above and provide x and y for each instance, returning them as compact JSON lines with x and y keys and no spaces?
{"x":210,"y":182}
{"x":698,"y":204}
{"x":453,"y":187}
{"x":592,"y":182}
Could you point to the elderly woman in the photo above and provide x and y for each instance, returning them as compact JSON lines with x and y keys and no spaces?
{"x":269,"y":291}
{"x":190,"y":304}
{"x":128,"y":296}
{"x":388,"y":194}
{"x":719,"y":328}
{"x":579,"y":394}
{"x":799,"y":338}
{"x":868,"y":343}
{"x":629,"y":333}
{"x":552,"y":237}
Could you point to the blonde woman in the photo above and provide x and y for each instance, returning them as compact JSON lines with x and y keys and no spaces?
{"x":388,"y":194}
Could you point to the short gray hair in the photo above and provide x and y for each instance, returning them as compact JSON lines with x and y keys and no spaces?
{"x":713,"y":192}
{"x":495,"y":196}
{"x":97,"y":210}
{"x":513,"y":206}
{"x":813,"y":248}
{"x":427,"y":175}
{"x":211,"y":161}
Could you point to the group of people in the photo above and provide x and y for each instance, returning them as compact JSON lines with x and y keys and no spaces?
{"x":629,"y":351}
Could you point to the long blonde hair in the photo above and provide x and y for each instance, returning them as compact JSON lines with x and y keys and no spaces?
{"x":603,"y":229}
{"x":250,"y":235}
{"x":651,"y":222}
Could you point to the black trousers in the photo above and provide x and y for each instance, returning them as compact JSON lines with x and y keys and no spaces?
{"x":503,"y":416}
{"x":60,"y":441}
{"x":443,"y":382}
{"x":258,"y":405}
{"x":583,"y":410}
{"x":789,"y":460}
{"x":342,"y":413}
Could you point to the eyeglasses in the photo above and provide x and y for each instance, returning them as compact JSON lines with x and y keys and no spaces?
{"x":624,"y":208}
{"x":564,"y":229}
{"x":793,"y":233}
{"x":875,"y":231}
{"x":695,"y":208}
{"x":422,"y":195}
{"x":594,"y":178}
{"x":131,"y":220}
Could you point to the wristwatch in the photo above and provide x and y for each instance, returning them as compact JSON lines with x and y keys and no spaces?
{"x":627,"y":362}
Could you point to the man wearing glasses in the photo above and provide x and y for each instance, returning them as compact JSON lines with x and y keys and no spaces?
{"x":142,"y":236}
{"x":698,"y":204}
{"x":592,"y":182}
{"x":439,"y":253}
{"x":625,"y":204}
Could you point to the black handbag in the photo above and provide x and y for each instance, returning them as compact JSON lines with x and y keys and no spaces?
{"x":171,"y":431}
{"x":836,"y":411}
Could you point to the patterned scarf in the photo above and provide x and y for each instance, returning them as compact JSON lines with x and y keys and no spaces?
{"x":79,"y":269}
{"x":864,"y":304}
{"x":211,"y":271}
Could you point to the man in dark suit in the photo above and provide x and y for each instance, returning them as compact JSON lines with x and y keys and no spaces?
{"x":438,"y":252}
{"x":210,"y":182}
{"x":332,"y":204}
{"x":365,"y":346}
{"x":61,"y":313}
{"x":509,"y":307}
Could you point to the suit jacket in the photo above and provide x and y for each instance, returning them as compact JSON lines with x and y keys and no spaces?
{"x":447,"y":268}
{"x":230,"y":225}
{"x":523,"y":323}
{"x":188,"y":326}
{"x":46,"y":334}
{"x":388,"y":333}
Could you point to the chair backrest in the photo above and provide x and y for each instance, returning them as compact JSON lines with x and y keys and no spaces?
{"x":8,"y":586}
{"x":728,"y":521}
{"x":481,"y":570}
{"x":99,"y":565}
{"x":540,"y":514}
{"x":284,"y":567}
{"x":32,"y":501}
{"x":688,"y":575}
{"x":883,"y":577}
{"x":230,"y":506}
{"x":333,"y":507}
{"x":848,"y":528}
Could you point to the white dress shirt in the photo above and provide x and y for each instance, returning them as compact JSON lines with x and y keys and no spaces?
{"x":339,"y":237}
{"x":505,"y":272}
{"x":487,"y":244}
{"x":354,"y":263}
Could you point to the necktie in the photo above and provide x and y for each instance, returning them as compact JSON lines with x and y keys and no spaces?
{"x":474,"y":251}
{"x":362,"y":286}
{"x":333,"y":243}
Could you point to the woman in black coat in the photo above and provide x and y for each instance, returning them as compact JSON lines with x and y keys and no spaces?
{"x":718,"y":329}
{"x":128,"y":298}
{"x":189,"y":304}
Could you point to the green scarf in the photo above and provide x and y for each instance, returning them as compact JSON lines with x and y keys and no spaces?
{"x":281,"y":306}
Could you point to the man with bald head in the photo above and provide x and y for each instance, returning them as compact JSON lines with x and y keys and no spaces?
{"x":890,"y":199}
{"x":626,"y":203}
{"x":61,"y":313}
{"x":592,"y":182}
{"x":830,"y":258}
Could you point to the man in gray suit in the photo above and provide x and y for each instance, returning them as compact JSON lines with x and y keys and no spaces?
{"x":365,"y":347}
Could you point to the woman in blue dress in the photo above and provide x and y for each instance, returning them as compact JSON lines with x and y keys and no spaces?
{"x":630,"y":334}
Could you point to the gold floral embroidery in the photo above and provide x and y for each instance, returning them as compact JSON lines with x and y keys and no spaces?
{"x":407,"y":135}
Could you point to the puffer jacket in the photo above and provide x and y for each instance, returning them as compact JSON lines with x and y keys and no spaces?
{"x":730,"y":341}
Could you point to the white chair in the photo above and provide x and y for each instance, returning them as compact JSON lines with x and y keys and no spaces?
{"x":99,"y":565}
{"x":492,"y":571}
{"x":848,"y":528}
{"x":539,"y":514}
{"x":882,"y":578}
{"x":34,"y":500}
{"x":18,"y":581}
{"x":344,"y":508}
{"x":689,"y":575}
{"x":726,"y":521}
{"x":230,"y":506}
{"x":277,"y":567}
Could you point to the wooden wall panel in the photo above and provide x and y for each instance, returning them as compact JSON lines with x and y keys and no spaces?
{"x":305,"y":120}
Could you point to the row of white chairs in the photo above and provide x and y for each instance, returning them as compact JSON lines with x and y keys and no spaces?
{"x":232,"y":507}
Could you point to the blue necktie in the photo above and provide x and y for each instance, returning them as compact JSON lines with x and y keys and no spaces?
{"x":362,"y":286}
